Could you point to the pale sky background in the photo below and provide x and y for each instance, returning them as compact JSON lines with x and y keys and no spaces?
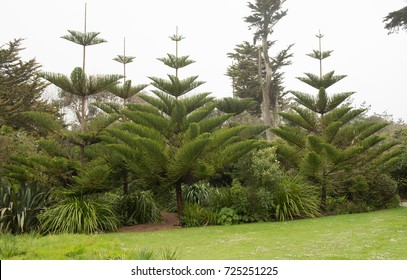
{"x":376,"y":63}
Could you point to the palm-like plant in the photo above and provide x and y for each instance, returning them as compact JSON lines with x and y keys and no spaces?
{"x":324,"y":138}
{"x":176,"y":138}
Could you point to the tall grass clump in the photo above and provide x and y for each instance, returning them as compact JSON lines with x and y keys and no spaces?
{"x":79,"y":215}
{"x":138,"y":207}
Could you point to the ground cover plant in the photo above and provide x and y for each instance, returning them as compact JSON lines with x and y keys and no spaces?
{"x":374,"y":235}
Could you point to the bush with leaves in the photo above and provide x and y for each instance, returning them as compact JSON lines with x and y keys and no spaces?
{"x":86,"y":214}
{"x":382,"y":192}
{"x":196,"y":215}
{"x":197,"y":193}
{"x":139,"y":207}
{"x":19,"y":207}
{"x":294,"y":198}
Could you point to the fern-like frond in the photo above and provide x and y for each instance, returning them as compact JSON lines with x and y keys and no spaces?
{"x":211,"y":124}
{"x":83,"y":39}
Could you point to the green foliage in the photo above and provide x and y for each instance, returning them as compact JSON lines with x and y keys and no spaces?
{"x":79,"y":215}
{"x":324,"y":138}
{"x":228,"y":216}
{"x":261,"y":169}
{"x":196,"y":215}
{"x":9,"y":247}
{"x":294,"y":198}
{"x":197,"y":193}
{"x":20,"y":87}
{"x":19,"y":207}
{"x":382,"y":192}
{"x":396,"y":20}
{"x":138,"y":207}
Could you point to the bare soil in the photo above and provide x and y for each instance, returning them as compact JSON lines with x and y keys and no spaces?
{"x":169,"y":221}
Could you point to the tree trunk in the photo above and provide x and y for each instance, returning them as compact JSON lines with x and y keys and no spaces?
{"x":180,"y":200}
{"x":265,"y":87}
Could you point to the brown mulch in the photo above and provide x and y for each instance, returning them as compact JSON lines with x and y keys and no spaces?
{"x":169,"y":221}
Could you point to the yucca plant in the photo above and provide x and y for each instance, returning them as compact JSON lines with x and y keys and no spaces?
{"x":177,"y":137}
{"x":324,"y":138}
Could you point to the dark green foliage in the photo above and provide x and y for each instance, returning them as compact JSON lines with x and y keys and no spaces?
{"x":196,"y":215}
{"x":19,"y":207}
{"x":294,"y":198}
{"x":197,"y":193}
{"x":396,"y":20}
{"x":21,"y":88}
{"x":138,"y":207}
{"x":79,"y":215}
{"x":382,"y":192}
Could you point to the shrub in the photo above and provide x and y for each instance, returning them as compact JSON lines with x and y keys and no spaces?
{"x":138,"y":207}
{"x":79,"y":215}
{"x":197,"y":193}
{"x":228,"y":216}
{"x":342,"y":205}
{"x":260,"y":169}
{"x":19,"y":207}
{"x":196,"y":215}
{"x":219,"y":198}
{"x":293,"y":198}
{"x":382,"y":193}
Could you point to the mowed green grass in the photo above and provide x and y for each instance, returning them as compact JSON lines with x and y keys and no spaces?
{"x":375,"y":235}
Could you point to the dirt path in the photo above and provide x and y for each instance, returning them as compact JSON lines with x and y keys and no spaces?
{"x":170,"y":221}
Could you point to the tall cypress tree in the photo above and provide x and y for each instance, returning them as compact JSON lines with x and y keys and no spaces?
{"x":324,"y":138}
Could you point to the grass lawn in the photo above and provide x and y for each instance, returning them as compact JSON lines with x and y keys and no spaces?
{"x":375,"y":235}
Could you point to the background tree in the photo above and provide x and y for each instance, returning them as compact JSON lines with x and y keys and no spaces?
{"x":21,"y":88}
{"x":83,"y":86}
{"x":396,"y":20}
{"x":324,"y":140}
{"x":176,"y":138}
{"x":245,"y":75}
{"x":265,"y":15}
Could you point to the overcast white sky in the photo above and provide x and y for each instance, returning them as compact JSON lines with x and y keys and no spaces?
{"x":374,"y":61}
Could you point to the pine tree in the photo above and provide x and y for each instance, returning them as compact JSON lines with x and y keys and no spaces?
{"x":396,"y":20}
{"x":126,"y":90}
{"x":21,"y":88}
{"x":324,"y":138}
{"x":176,"y":138}
{"x":81,"y":85}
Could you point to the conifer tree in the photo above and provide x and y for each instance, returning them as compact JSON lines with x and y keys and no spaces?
{"x":83,"y":86}
{"x":176,"y":138}
{"x":126,"y":90}
{"x":21,"y":88}
{"x":324,"y":138}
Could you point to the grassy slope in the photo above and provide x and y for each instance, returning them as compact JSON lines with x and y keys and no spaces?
{"x":376,"y":235}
